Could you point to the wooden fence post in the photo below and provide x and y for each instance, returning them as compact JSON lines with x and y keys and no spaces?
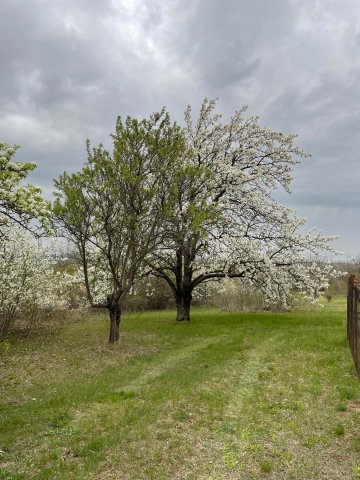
{"x":352,"y":320}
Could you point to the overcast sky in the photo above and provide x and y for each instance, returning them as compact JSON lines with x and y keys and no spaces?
{"x":70,"y":67}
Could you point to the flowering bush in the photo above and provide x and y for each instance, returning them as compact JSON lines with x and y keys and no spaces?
{"x":29,"y":281}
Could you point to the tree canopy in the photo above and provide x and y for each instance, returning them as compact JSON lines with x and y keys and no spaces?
{"x":189,"y":205}
{"x":19,"y":203}
{"x":113,"y":209}
{"x":225,"y":221}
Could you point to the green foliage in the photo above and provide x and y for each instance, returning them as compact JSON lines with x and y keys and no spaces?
{"x":189,"y":208}
{"x":339,"y":430}
{"x":357,"y":472}
{"x":266,"y":466}
{"x":113,"y":209}
{"x":18,"y":202}
{"x":4,"y":347}
{"x":230,"y":456}
{"x":347,"y":392}
{"x":341,"y":407}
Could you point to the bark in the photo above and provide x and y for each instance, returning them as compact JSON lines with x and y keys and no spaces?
{"x":115,"y":317}
{"x":183,"y":305}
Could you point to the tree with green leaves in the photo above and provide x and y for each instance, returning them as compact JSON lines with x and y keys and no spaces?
{"x":113,"y":209}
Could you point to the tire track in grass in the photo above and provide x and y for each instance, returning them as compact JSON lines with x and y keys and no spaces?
{"x":178,"y":429}
{"x":217,"y":452}
{"x":204,"y":456}
{"x":216,"y":456}
{"x":153,"y":371}
{"x":245,"y":451}
{"x":234,"y":451}
{"x":209,"y":452}
{"x":91,"y":416}
{"x":176,"y":357}
{"x":251,"y":441}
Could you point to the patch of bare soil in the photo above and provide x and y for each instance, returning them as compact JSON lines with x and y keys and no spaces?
{"x":111,"y":474}
{"x":353,"y":407}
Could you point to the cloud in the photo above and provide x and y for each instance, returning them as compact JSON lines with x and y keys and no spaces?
{"x":68,"y":68}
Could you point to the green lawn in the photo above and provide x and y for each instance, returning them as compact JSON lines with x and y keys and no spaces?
{"x":226,"y":396}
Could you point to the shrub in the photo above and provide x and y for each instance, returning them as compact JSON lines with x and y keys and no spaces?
{"x":30,"y":286}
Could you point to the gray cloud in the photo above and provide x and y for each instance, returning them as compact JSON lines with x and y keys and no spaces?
{"x":70,"y":67}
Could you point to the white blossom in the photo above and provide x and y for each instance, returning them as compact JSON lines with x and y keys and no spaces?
{"x":225,"y":220}
{"x":28,"y":278}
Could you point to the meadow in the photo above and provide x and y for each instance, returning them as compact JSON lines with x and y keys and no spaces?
{"x":225,"y":396}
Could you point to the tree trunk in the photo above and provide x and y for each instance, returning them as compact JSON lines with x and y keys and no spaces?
{"x":183,"y":304}
{"x":115,"y":317}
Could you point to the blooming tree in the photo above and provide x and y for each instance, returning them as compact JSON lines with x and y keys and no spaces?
{"x":28,"y":278}
{"x":25,"y":270}
{"x":113,"y":210}
{"x":224,"y":220}
{"x":18,"y":203}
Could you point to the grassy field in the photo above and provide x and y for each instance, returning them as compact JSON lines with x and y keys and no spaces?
{"x":226,"y":396}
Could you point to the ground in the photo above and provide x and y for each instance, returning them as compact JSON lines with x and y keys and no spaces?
{"x":226,"y":396}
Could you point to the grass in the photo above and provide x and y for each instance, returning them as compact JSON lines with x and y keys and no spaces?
{"x":226,"y":396}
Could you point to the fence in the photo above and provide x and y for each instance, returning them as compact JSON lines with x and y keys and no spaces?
{"x":353,"y":321}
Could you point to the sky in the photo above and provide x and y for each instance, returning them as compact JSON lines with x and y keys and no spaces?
{"x":70,"y":67}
